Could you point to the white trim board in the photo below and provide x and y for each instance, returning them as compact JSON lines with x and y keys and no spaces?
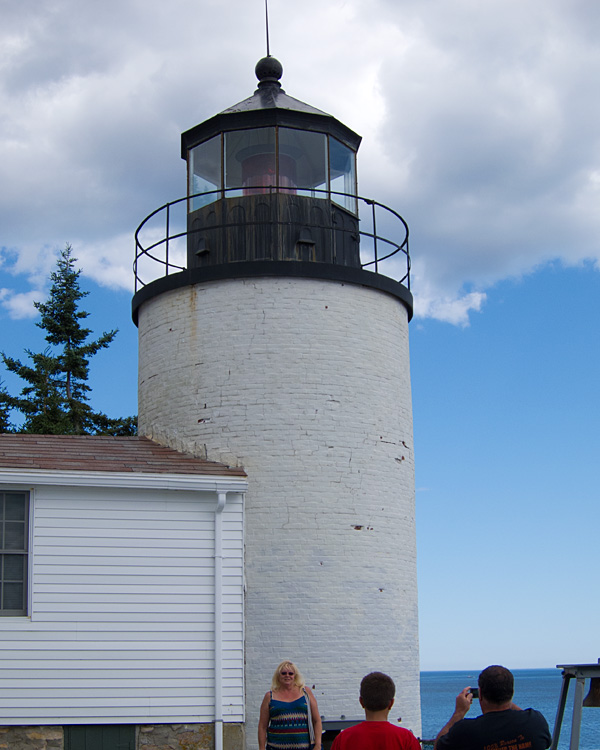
{"x":126,"y":480}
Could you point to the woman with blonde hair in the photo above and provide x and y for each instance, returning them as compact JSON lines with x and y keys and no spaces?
{"x":289,"y":715}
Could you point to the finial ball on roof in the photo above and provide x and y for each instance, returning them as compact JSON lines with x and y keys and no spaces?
{"x":268,"y":69}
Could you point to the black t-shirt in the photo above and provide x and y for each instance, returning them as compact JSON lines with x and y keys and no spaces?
{"x":499,"y":730}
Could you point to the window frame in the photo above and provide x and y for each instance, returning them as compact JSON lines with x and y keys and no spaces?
{"x":25,"y":552}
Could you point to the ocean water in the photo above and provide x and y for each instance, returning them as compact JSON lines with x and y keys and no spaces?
{"x":534,"y":688}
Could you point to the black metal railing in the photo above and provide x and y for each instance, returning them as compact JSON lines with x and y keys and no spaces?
{"x":158,"y":239}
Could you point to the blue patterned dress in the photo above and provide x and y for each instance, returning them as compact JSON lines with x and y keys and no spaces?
{"x":288,"y":725}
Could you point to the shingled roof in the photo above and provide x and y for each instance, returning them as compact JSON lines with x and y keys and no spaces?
{"x":100,"y":453}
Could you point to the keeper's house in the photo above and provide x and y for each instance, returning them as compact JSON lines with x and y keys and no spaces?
{"x":121,"y":587}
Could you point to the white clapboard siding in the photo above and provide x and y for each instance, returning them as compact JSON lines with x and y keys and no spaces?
{"x":122,"y":617}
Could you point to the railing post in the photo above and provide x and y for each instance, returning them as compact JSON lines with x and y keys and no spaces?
{"x":167,"y":242}
{"x":374,"y":236}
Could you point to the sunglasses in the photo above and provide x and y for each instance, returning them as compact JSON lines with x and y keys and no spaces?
{"x":283,"y":674}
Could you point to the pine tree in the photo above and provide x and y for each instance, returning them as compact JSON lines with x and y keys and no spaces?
{"x":55,"y":401}
{"x":5,"y":425}
{"x":40,"y":401}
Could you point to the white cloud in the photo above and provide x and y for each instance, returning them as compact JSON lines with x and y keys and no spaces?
{"x":451,"y":310}
{"x":478,"y":123}
{"x":19,"y":305}
{"x":108,"y":261}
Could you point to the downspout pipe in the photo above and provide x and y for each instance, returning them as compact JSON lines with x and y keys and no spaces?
{"x":218,"y":636}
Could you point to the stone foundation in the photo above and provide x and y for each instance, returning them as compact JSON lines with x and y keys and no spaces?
{"x":31,"y":738}
{"x":148,"y":737}
{"x":188,"y":737}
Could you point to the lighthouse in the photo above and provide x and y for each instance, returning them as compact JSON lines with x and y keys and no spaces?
{"x":273,"y":314}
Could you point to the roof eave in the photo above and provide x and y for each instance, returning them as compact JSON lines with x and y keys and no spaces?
{"x":271,"y":117}
{"x":122,"y":480}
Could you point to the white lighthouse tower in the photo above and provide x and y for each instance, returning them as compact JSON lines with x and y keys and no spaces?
{"x":281,"y":345}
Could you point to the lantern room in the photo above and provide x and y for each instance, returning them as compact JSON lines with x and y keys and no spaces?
{"x":271,"y":178}
{"x":271,"y":191}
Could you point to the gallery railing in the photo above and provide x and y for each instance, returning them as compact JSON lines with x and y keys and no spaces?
{"x":161,"y":239}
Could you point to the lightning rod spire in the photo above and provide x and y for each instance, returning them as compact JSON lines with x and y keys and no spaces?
{"x":267,"y":26}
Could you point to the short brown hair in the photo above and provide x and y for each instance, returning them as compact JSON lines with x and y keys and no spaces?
{"x":377,"y":691}
{"x":497,"y":684}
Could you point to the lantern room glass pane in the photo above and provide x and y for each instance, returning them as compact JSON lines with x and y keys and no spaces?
{"x":303,"y":162}
{"x":343,"y":174}
{"x":204,"y":169}
{"x":250,"y":165}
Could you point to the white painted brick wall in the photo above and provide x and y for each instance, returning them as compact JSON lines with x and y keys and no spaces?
{"x":306,"y":384}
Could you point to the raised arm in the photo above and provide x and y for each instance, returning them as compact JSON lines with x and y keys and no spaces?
{"x":462,"y":705}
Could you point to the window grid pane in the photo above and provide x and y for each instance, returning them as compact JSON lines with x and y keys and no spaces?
{"x":205,"y":172}
{"x":342,"y":174}
{"x":303,"y":162}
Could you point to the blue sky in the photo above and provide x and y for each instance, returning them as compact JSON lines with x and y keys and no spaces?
{"x":480,"y":126}
{"x":507,"y":444}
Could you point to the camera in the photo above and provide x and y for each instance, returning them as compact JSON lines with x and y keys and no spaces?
{"x":474,"y":692}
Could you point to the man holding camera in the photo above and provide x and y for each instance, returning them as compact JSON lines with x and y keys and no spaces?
{"x":502,"y":725}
